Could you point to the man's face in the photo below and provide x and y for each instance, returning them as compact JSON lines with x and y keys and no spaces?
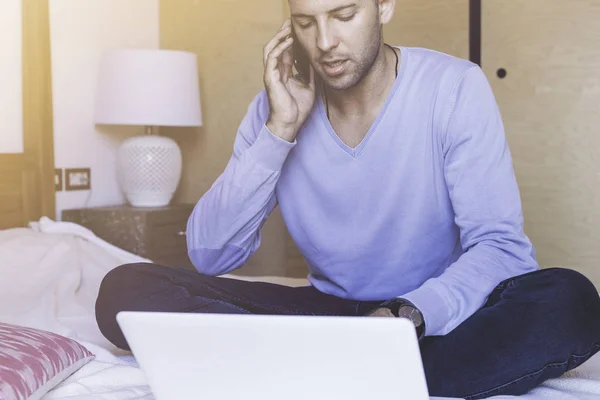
{"x":341,"y":38}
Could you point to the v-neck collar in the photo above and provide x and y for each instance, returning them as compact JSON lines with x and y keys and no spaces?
{"x":355,"y":151}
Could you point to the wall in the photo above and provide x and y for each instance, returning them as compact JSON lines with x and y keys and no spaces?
{"x":441,"y":25}
{"x":11,"y":77}
{"x":550,"y":101}
{"x":228,"y":37}
{"x":80,"y":32}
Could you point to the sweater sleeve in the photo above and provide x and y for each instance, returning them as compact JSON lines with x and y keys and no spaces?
{"x":223,"y":230}
{"x":487,"y":206}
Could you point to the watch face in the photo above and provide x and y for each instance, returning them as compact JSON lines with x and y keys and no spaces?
{"x":411,"y":313}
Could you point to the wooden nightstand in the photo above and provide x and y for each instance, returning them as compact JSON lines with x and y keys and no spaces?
{"x":154,"y":233}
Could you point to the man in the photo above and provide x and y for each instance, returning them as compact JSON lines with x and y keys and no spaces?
{"x":392,"y":171}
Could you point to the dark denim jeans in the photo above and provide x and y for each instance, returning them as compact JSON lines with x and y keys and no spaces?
{"x":533,"y":327}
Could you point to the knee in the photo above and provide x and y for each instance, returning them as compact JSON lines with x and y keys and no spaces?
{"x":114,"y":295}
{"x":571,"y":287}
{"x":125,"y":272}
{"x":575,"y":301}
{"x":116,"y":281}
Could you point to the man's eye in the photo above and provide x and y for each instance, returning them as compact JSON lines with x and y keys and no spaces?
{"x":346,"y":18}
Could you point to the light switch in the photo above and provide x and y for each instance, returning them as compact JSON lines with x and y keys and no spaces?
{"x":58,"y":179}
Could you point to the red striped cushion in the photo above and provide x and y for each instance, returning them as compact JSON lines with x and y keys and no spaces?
{"x":32,"y":361}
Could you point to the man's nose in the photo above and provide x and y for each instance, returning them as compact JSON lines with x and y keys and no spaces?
{"x":326,"y":39}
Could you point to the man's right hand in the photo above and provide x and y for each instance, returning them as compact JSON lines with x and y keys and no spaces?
{"x":290,"y":99}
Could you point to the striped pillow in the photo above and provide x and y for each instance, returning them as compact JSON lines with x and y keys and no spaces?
{"x":32,"y":362}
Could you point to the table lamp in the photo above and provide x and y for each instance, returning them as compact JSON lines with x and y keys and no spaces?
{"x":149,"y":88}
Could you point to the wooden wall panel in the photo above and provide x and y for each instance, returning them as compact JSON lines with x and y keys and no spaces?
{"x":550,"y":101}
{"x":11,"y":194}
{"x":228,"y":37}
{"x":37,"y":110}
{"x":441,"y":25}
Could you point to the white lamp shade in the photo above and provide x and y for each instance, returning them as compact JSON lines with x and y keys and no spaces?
{"x":148,"y":88}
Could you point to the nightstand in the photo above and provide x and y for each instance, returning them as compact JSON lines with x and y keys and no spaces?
{"x":154,"y":233}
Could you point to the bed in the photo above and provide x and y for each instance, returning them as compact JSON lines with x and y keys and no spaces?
{"x":51,"y":270}
{"x":51,"y":273}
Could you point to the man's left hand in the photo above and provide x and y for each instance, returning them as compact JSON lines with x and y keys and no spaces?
{"x":403,"y":309}
{"x":381,"y":312}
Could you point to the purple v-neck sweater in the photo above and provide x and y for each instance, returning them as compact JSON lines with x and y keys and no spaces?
{"x":426,"y":207}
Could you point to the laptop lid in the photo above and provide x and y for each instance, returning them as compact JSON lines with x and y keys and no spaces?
{"x":261,"y":357}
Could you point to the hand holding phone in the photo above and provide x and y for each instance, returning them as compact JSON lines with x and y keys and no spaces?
{"x":290,"y":99}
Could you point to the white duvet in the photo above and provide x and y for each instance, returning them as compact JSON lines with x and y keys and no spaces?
{"x":50,"y":277}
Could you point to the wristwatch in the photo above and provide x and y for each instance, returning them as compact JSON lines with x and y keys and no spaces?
{"x":403,"y":308}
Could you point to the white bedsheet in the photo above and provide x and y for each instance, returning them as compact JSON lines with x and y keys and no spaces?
{"x":119,"y":378}
{"x":108,"y":377}
{"x":582,"y":383}
{"x":50,"y":278}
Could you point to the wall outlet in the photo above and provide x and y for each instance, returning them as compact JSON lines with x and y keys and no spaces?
{"x":78,"y":179}
{"x":58,"y":179}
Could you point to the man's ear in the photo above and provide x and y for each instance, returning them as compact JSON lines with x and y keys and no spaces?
{"x":386,"y":10}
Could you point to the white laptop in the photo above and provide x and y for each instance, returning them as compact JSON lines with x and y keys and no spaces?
{"x":258,"y":357}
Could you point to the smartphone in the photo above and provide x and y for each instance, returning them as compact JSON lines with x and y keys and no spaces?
{"x":301,"y":62}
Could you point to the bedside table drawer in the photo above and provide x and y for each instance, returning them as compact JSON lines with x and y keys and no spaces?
{"x":167,"y":236}
{"x":154,"y":233}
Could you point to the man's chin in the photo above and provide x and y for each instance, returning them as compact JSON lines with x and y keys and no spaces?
{"x":341,"y":83}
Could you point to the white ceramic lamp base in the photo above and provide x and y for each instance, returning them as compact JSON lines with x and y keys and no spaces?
{"x":149,"y":170}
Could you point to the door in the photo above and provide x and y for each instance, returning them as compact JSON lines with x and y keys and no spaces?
{"x":27,"y":178}
{"x":549,"y":55}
